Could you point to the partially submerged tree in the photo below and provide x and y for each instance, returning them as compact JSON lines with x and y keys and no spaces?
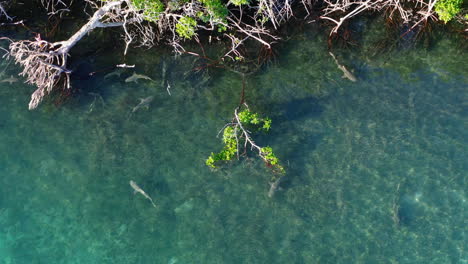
{"x":238,"y":140}
{"x":45,"y":63}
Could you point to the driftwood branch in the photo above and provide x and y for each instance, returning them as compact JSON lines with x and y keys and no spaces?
{"x":45,"y":63}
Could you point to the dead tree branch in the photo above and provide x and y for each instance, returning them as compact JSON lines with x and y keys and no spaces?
{"x":4,"y":13}
{"x":45,"y":64}
{"x":56,"y":6}
{"x":276,"y":11}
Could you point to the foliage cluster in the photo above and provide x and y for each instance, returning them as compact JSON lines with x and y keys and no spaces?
{"x":215,"y":12}
{"x":235,"y":134}
{"x":240,"y":2}
{"x":270,"y":156}
{"x":448,"y":9}
{"x":249,"y":118}
{"x":186,"y":27}
{"x":229,"y":150}
{"x":151,"y":8}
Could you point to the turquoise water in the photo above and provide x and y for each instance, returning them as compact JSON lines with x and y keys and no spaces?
{"x":376,"y":169}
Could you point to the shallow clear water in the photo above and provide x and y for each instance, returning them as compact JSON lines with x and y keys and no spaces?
{"x":376,"y":170}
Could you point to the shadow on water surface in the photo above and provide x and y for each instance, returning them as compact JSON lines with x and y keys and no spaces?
{"x":408,"y":211}
{"x":297,"y":109}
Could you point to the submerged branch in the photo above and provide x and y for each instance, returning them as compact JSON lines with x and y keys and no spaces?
{"x":238,"y":140}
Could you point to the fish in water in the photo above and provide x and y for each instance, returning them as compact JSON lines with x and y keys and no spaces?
{"x":10,"y":79}
{"x":144,"y":102}
{"x":164,"y":69}
{"x":346,"y":74}
{"x":274,"y":186}
{"x":137,"y":189}
{"x":117,"y":73}
{"x":135,"y":77}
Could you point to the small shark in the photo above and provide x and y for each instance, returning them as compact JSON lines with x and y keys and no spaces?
{"x":117,"y":73}
{"x":137,"y":189}
{"x":10,"y":80}
{"x":144,"y":102}
{"x":135,"y":77}
{"x":274,"y":186}
{"x":346,"y":74}
{"x":164,"y":69}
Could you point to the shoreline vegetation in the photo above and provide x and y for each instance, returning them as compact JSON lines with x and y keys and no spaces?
{"x":238,"y":23}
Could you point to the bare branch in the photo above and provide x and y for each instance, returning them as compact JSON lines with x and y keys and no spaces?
{"x":347,"y":9}
{"x":3,"y":12}
{"x":56,"y":6}
{"x":45,"y":64}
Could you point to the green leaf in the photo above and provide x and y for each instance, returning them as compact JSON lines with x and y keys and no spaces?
{"x":151,"y":8}
{"x":240,"y":2}
{"x":186,"y":27}
{"x":448,"y":9}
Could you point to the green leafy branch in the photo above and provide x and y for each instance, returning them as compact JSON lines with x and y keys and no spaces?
{"x":186,"y":27}
{"x":151,"y":9}
{"x":448,"y":9}
{"x":237,"y":134}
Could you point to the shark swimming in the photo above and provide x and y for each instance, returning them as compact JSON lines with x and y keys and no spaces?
{"x":346,"y":74}
{"x":116,"y":73}
{"x":10,"y":80}
{"x":144,"y":102}
{"x":135,"y":77}
{"x":137,"y":189}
